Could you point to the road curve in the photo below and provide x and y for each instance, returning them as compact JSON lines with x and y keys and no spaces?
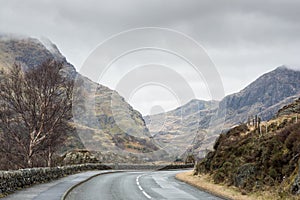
{"x":158,"y":185}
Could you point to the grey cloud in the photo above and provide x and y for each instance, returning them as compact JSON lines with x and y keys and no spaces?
{"x":240,"y":36}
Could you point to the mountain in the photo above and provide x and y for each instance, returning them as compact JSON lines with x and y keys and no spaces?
{"x":264,"y":96}
{"x":177,"y":129}
{"x":31,"y":52}
{"x":105,"y":122}
{"x":200,"y":122}
{"x":182,"y":119}
{"x":99,"y":125}
{"x":259,"y":159}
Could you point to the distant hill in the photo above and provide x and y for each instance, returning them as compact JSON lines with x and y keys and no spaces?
{"x":177,"y":129}
{"x":199,"y":119}
{"x":98,"y":127}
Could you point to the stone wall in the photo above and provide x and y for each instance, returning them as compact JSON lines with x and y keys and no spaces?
{"x":11,"y":181}
{"x":148,"y":166}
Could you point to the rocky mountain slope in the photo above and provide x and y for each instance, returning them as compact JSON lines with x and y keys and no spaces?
{"x":263,"y":97}
{"x":257,"y":159}
{"x":99,"y":127}
{"x":179,"y":129}
{"x":293,"y":108}
{"x":182,"y":119}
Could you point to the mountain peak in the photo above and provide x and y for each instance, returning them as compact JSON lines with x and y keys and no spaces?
{"x":282,"y":67}
{"x":286,"y":68}
{"x":268,"y":91}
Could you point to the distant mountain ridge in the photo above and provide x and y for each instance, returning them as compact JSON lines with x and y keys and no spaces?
{"x":272,"y":88}
{"x":176,"y":130}
{"x":263,"y":97}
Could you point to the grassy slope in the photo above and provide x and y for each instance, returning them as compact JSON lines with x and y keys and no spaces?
{"x":257,"y":163}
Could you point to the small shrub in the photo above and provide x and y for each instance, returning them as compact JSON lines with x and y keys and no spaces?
{"x":219,"y":177}
{"x":273,"y":173}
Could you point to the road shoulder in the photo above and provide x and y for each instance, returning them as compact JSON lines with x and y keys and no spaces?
{"x":203,"y":182}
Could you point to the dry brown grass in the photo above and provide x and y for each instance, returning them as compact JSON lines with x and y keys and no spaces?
{"x":205,"y":183}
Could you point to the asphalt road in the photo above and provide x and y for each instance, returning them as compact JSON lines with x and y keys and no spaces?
{"x":157,"y":185}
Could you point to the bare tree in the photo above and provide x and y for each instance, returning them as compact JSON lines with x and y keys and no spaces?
{"x":35,"y":109}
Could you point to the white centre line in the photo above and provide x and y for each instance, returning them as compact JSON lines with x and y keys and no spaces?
{"x":147,"y":195}
{"x":140,"y":187}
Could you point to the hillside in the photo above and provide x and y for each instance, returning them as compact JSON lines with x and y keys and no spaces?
{"x":99,"y":127}
{"x":290,"y":109}
{"x":178,"y":129}
{"x":263,"y":97}
{"x":259,"y":159}
{"x":260,"y":97}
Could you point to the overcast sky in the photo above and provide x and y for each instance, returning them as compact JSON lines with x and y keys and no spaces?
{"x":244,"y":39}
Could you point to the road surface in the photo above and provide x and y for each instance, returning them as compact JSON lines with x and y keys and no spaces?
{"x":158,"y":185}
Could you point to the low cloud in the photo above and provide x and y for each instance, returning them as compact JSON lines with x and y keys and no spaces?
{"x":243,"y":38}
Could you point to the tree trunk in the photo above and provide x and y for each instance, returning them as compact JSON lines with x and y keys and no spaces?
{"x":29,"y":161}
{"x":49,"y":157}
{"x":30,"y":153}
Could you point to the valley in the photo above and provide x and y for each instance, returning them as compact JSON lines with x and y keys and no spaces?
{"x":254,"y":130}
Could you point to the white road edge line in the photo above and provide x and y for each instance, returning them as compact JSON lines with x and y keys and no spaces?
{"x":140,"y":187}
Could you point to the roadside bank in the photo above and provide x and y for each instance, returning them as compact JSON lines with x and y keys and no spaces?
{"x":205,"y":183}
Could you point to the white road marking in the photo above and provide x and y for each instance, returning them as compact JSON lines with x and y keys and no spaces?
{"x":147,"y":195}
{"x":140,"y":187}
